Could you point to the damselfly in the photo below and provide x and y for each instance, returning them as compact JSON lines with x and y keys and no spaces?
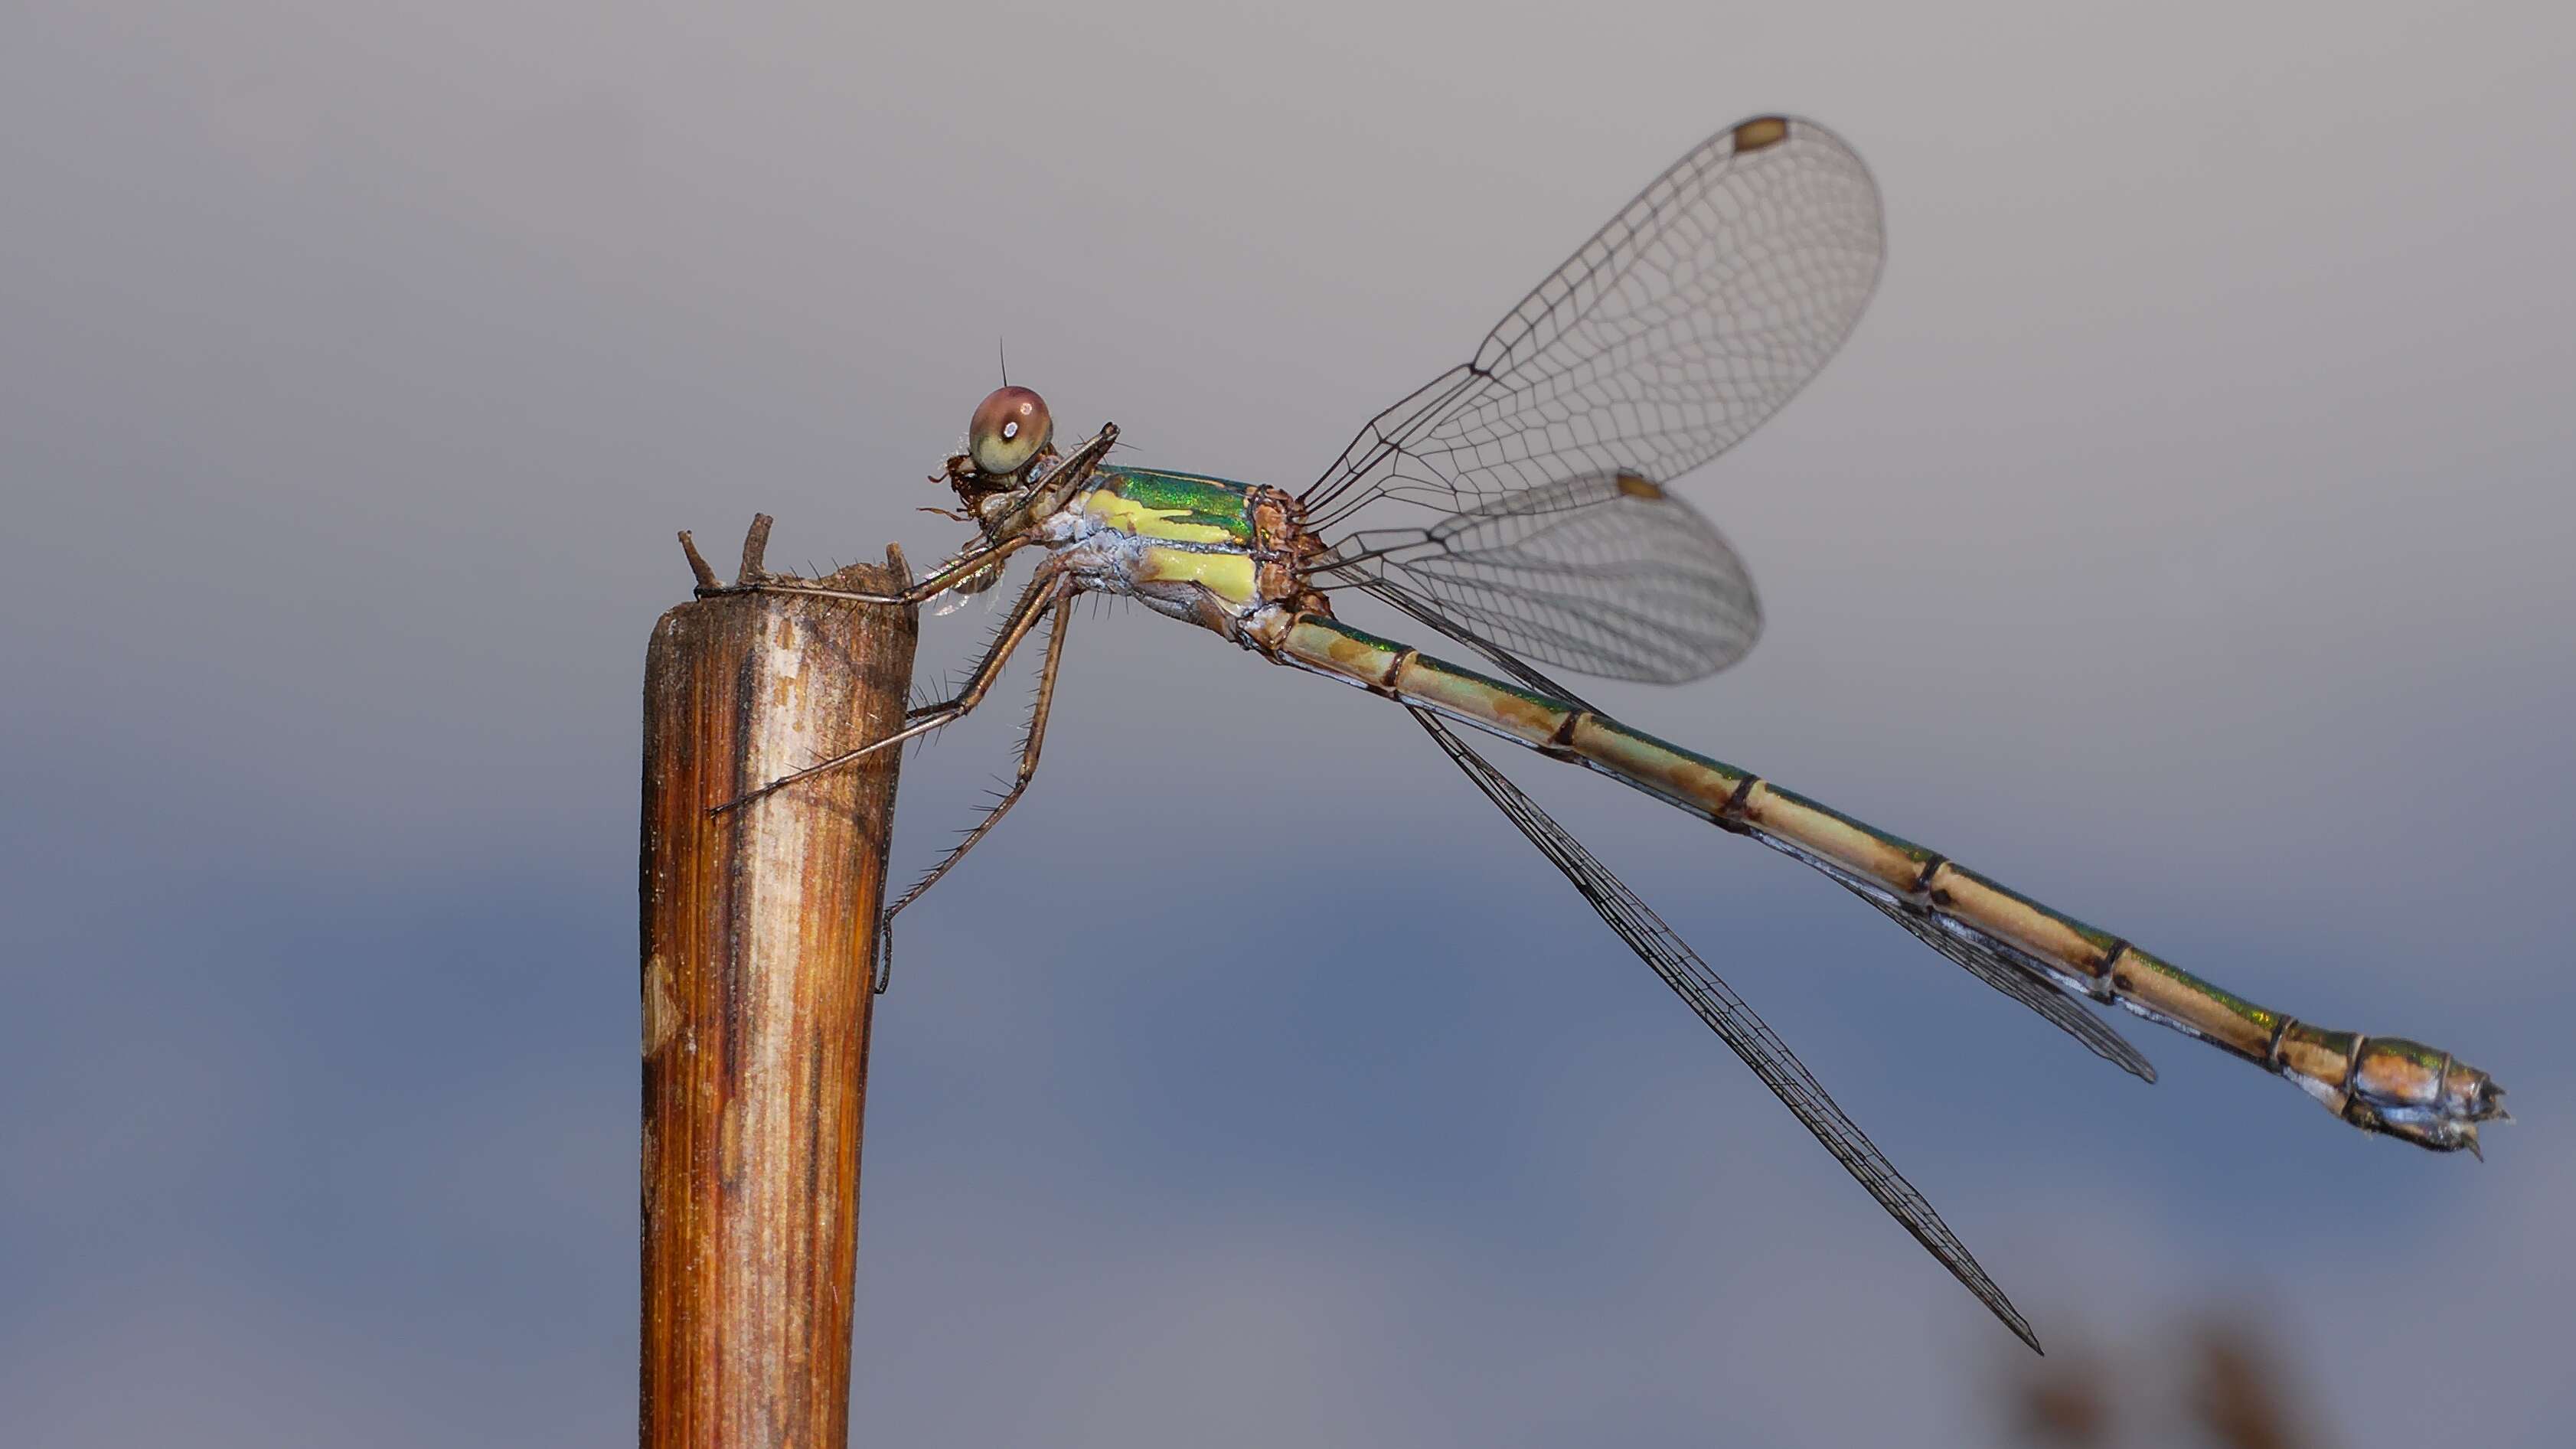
{"x":1519,"y":509}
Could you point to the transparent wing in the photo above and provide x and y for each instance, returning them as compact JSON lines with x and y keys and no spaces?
{"x":1603,"y":572}
{"x":2008,"y":971}
{"x":2002,"y":968}
{"x":1733,"y":1021}
{"x":1704,"y":305}
{"x":2015,"y":973}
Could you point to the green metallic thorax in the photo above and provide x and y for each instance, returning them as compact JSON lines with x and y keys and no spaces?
{"x":1183,"y":507}
{"x":1207,"y":550}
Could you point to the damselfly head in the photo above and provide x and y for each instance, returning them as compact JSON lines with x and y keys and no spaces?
{"x":1011,"y":428}
{"x":1010,"y":435}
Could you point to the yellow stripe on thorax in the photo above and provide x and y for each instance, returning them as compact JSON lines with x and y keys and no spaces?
{"x":1129,"y":516}
{"x":1226,"y":574}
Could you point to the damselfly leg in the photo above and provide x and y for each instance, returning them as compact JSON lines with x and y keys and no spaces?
{"x":1044,"y":592}
{"x":1030,"y":743}
{"x":965,"y":565}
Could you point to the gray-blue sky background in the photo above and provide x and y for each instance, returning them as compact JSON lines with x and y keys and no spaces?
{"x":2183,"y":538}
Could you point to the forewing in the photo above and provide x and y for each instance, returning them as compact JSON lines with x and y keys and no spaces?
{"x":1705,"y":304}
{"x":1605,"y":573}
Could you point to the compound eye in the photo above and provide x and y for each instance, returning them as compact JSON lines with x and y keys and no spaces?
{"x":1009,"y":431}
